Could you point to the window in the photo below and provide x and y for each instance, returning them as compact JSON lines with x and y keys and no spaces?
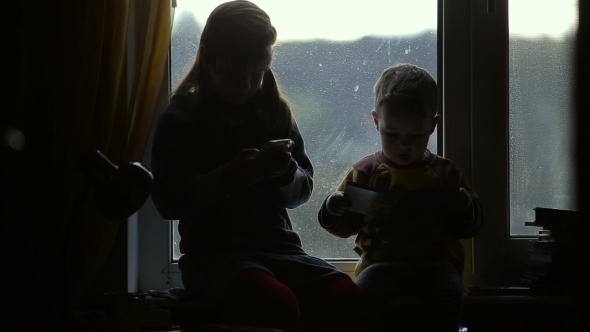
{"x":328,"y":75}
{"x":521,"y":67}
{"x":540,"y":57}
{"x":506,"y":100}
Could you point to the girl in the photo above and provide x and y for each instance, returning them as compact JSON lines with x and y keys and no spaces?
{"x":228,"y":161}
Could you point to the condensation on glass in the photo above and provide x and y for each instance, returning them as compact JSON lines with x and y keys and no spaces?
{"x":541,"y":142}
{"x":327,"y":60}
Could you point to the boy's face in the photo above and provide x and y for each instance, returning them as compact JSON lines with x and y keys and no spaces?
{"x":404,"y":136}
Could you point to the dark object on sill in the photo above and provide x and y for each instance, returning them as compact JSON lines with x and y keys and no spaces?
{"x":119,"y":189}
{"x":548,"y":217}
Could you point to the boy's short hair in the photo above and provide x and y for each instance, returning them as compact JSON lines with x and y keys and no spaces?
{"x":407,"y":85}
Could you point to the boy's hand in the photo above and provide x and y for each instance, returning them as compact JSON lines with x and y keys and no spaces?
{"x":460,"y":200}
{"x":337,"y":203}
{"x":275,"y":156}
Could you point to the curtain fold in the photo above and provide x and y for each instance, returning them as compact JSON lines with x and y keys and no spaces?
{"x":100,"y":28}
{"x":150,"y":67}
{"x":90,"y":75}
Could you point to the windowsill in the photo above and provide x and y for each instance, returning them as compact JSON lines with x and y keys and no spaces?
{"x":491,"y":313}
{"x":516,"y":299}
{"x":497,"y":299}
{"x":476,"y":311}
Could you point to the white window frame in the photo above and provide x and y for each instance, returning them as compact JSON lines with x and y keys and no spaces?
{"x":474,"y":50}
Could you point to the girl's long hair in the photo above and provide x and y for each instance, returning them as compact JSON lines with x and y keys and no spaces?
{"x":241,"y":31}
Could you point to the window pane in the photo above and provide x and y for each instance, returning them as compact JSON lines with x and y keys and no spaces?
{"x":541,"y":49}
{"x":327,"y":60}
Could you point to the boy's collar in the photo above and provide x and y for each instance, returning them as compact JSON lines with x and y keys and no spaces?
{"x":426,"y":160}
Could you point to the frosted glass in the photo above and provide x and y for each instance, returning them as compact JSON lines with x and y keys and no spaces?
{"x":541,"y":155}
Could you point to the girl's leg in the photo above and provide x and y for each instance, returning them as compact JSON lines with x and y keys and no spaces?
{"x":255,"y":298}
{"x":335,"y":304}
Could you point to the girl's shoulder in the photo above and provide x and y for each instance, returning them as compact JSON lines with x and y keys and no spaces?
{"x":174,"y":115}
{"x":185,"y":101}
{"x":182,"y":109}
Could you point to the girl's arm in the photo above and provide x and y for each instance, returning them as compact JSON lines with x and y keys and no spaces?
{"x":296,"y":185}
{"x":180,"y":189}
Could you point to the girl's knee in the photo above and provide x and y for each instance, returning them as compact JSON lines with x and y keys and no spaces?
{"x":256,"y":298}
{"x":348,"y":299}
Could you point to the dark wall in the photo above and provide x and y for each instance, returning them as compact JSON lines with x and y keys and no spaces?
{"x":581,"y":290}
{"x":31,"y":186}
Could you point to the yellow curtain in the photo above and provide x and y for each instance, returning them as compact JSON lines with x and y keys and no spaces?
{"x":123,"y":56}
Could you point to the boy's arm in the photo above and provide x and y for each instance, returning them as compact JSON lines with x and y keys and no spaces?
{"x":349,"y":223}
{"x":343,"y":226}
{"x":471,"y":220}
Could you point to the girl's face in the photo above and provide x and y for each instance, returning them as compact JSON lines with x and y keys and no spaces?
{"x":404,"y":136}
{"x":235,"y":83}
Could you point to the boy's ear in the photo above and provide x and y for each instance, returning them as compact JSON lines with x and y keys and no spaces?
{"x":375,"y":119}
{"x":435,"y":121}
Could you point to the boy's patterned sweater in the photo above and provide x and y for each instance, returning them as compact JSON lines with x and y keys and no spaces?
{"x":423,"y":226}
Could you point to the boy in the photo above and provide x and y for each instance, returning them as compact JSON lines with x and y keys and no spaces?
{"x":414,"y":250}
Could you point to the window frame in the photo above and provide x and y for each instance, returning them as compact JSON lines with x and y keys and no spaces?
{"x":499,"y":255}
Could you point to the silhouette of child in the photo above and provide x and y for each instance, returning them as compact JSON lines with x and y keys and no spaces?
{"x":228,"y":161}
{"x":414,"y":250}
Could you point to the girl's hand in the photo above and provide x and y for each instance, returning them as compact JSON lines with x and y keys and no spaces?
{"x":244,"y":168}
{"x":337,"y":203}
{"x":274,"y":157}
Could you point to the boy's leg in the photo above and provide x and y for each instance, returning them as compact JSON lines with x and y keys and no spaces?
{"x":383,"y":282}
{"x":443,"y":295}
